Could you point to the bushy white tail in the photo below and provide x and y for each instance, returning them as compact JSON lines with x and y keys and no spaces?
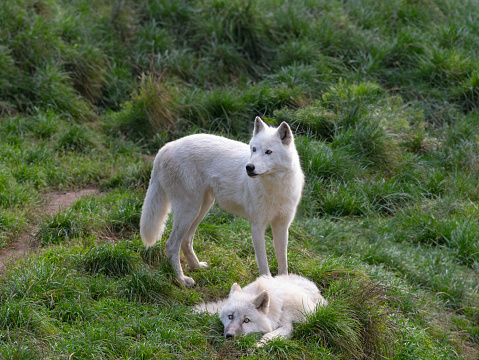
{"x":154,"y":214}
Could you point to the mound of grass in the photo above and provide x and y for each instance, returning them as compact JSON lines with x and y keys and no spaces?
{"x":62,"y":227}
{"x":124,"y":300}
{"x":355,"y":322}
{"x":144,"y":285}
{"x":110,"y":260}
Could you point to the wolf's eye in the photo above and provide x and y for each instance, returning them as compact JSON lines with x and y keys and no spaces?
{"x":230,"y":317}
{"x":246,"y":320}
{"x":254,"y":149}
{"x":268,"y":152}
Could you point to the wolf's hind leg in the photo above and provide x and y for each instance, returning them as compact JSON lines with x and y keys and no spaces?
{"x":184,"y":214}
{"x":187,"y":242}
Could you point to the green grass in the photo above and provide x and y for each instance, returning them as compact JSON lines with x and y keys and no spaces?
{"x":383,"y":99}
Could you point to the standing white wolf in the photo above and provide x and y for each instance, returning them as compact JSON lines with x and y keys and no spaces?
{"x":262,"y":182}
{"x":268,"y":305}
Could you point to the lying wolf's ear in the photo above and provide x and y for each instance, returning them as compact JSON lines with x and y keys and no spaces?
{"x":261,"y":301}
{"x":285,"y":133}
{"x":234,"y":288}
{"x":259,"y":125}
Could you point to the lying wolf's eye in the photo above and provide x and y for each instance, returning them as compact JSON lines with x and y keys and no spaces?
{"x":246,"y":320}
{"x":230,"y":317}
{"x":254,"y":149}
{"x":268,"y":152}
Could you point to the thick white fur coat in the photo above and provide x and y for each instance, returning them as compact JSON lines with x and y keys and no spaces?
{"x":269,"y":305}
{"x":189,"y":174}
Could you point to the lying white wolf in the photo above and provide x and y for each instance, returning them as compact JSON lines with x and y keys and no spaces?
{"x":269,"y":305}
{"x":262,"y":182}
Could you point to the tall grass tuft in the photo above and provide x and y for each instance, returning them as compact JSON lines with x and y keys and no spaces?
{"x":155,"y":99}
{"x":124,"y":19}
{"x":314,"y":121}
{"x":87,"y":67}
{"x":115,"y":260}
{"x":151,"y":112}
{"x":63,"y":226}
{"x":53,"y":90}
{"x":156,"y":257}
{"x":143,"y":285}
{"x":239,"y":25}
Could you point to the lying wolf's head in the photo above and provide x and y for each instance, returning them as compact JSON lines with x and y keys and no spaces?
{"x":272,"y":149}
{"x":245,"y":314}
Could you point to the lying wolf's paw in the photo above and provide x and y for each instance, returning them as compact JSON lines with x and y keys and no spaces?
{"x":261,"y":343}
{"x":187,"y":281}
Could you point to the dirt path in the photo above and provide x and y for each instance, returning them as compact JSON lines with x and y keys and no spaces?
{"x":24,"y":243}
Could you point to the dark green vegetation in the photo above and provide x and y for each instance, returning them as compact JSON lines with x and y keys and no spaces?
{"x":384,"y":99}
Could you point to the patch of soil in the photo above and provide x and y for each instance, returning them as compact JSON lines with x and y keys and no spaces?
{"x":24,"y":244}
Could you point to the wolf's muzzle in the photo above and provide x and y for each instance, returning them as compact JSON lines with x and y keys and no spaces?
{"x":250,"y":170}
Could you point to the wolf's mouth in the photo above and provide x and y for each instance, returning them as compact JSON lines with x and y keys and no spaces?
{"x":252,"y":174}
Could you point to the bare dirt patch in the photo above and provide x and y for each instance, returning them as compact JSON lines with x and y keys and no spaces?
{"x":24,"y":244}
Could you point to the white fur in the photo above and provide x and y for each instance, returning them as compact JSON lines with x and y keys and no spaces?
{"x":269,"y":305}
{"x":192,"y":172}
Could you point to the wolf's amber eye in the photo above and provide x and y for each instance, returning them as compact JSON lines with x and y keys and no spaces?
{"x":254,"y":149}
{"x":230,"y":317}
{"x":246,"y":320}
{"x":268,"y":152}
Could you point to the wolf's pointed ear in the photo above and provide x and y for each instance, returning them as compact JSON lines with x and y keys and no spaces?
{"x":285,"y":134}
{"x":259,"y":125}
{"x":261,"y":301}
{"x":235,"y":288}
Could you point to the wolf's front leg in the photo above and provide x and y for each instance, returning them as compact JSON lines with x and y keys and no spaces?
{"x":257,"y":234}
{"x":283,"y":331}
{"x":279,"y":227}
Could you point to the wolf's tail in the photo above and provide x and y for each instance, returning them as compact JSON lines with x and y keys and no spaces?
{"x":154,"y":214}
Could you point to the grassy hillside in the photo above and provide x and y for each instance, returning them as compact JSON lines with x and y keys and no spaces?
{"x":384,"y":100}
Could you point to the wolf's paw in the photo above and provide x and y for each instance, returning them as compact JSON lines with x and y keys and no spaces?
{"x":202,"y":265}
{"x":261,"y":343}
{"x":198,"y":265}
{"x":187,"y":281}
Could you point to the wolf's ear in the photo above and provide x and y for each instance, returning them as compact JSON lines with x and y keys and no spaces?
{"x":261,"y":301}
{"x":285,"y":134}
{"x":259,"y":125}
{"x":235,"y":288}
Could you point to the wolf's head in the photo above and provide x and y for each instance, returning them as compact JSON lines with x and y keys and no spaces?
{"x":272,"y":150}
{"x":245,"y":314}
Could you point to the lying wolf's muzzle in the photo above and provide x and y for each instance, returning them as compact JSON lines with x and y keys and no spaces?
{"x":232,"y":329}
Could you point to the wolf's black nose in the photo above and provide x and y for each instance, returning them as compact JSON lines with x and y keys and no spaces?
{"x":228,"y":335}
{"x":249,"y":168}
